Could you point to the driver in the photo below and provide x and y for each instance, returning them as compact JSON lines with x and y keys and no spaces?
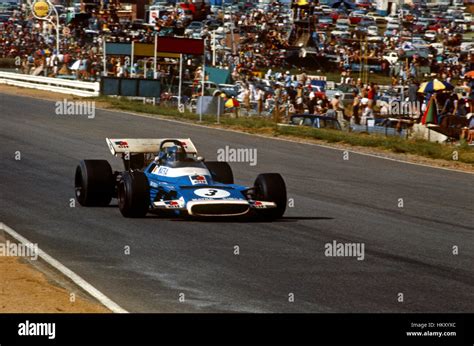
{"x":172,"y":154}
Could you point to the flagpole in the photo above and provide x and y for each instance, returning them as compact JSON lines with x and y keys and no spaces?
{"x":203,"y":81}
{"x":180,"y":79}
{"x":155,"y":55}
{"x":132,"y":58}
{"x":105,"y":57}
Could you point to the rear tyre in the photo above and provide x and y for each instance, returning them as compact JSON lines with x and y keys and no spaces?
{"x":221,"y":172}
{"x":94,"y":183}
{"x":134,"y":194}
{"x":270,"y":187}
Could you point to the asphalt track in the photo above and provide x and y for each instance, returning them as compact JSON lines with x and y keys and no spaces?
{"x":407,"y":250}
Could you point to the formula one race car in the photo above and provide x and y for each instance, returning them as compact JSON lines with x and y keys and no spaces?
{"x":167,"y":175}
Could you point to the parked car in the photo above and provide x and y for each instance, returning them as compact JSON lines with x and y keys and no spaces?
{"x":317,"y":121}
{"x":391,"y":57}
{"x":385,"y":126}
{"x":373,"y":30}
{"x":342,"y":27}
{"x":430,"y":35}
{"x":439,"y":47}
{"x":466,"y":46}
{"x":230,"y":90}
{"x":194,"y":27}
{"x":393,"y":26}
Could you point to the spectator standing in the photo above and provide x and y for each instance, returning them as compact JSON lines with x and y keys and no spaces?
{"x":367,"y":112}
{"x":470,"y":137}
{"x":288,"y":79}
{"x":331,"y":112}
{"x":259,"y":97}
{"x":336,"y":104}
{"x":371,"y":94}
{"x":302,"y":77}
{"x":246,"y":99}
{"x":299,"y":99}
{"x":311,"y":103}
{"x":355,"y":107}
{"x":277,"y":98}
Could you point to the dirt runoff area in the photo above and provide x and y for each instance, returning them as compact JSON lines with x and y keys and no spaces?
{"x":28,"y":286}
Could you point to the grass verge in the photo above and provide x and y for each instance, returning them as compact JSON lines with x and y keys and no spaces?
{"x":266,"y":126}
{"x":418,"y":147}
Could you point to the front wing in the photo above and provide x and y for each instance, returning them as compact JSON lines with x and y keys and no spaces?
{"x":220,"y":207}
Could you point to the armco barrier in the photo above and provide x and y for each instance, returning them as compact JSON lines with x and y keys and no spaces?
{"x":132,"y":87}
{"x":72,"y":87}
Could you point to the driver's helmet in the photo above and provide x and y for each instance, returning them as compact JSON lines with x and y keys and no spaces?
{"x":175,"y":153}
{"x":160,"y":157}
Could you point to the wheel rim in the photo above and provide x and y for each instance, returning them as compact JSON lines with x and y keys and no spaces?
{"x":79,"y":185}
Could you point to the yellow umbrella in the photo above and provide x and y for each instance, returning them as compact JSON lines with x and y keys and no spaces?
{"x":232,"y":103}
{"x":433,"y":86}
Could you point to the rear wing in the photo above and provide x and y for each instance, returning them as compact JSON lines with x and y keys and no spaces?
{"x":142,"y":145}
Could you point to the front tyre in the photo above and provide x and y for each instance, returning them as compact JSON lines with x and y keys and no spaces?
{"x":134,"y":194}
{"x":94,"y":183}
{"x":270,"y":187}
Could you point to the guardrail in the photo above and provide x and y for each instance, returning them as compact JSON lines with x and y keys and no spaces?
{"x":71,"y":87}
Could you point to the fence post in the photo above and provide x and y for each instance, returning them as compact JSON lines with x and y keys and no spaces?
{"x":218,"y":108}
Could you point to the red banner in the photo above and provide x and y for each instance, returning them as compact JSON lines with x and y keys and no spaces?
{"x":180,"y":45}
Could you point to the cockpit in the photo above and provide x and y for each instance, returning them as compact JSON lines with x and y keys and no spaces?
{"x":174,"y":156}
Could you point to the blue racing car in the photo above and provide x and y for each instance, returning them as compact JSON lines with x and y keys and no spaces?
{"x":168,"y":176}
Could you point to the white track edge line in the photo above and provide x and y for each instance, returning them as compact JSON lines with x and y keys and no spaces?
{"x":161,"y":117}
{"x":83,"y":284}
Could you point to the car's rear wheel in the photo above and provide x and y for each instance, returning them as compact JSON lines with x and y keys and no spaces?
{"x":221,"y":172}
{"x":134,"y":194}
{"x":94,"y":183}
{"x":270,"y":187}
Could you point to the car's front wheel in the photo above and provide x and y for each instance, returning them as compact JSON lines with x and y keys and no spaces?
{"x":134,"y":194}
{"x":270,"y":187}
{"x":94,"y":183}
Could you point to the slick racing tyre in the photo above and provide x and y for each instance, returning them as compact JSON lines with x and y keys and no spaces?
{"x":94,"y":183}
{"x":134,"y":194}
{"x":270,"y":187}
{"x":221,"y":172}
